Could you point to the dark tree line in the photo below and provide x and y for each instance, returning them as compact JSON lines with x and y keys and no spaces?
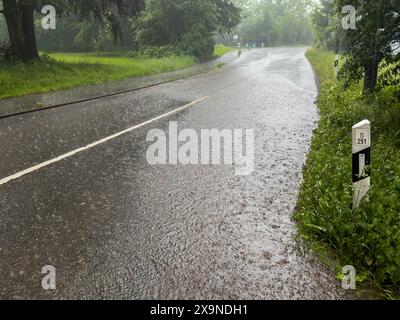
{"x":184,"y":26}
{"x":275,"y":22}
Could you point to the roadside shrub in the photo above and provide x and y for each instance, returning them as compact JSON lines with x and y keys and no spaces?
{"x":390,"y":76}
{"x":197,"y":45}
{"x":5,"y":50}
{"x":159,"y":52}
{"x":188,"y":25}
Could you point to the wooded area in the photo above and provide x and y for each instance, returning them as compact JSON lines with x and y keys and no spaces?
{"x":369,"y":48}
{"x":179,"y":26}
{"x":158,"y":27}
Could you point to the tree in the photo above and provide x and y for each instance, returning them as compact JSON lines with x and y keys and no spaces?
{"x":19,"y":16}
{"x":328,"y":32}
{"x":3,"y":29}
{"x":275,"y":22}
{"x":76,"y":34}
{"x":186,"y":25}
{"x":378,"y":25}
{"x":20,"y":25}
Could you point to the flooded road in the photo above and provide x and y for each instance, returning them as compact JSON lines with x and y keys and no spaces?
{"x":115,"y":227}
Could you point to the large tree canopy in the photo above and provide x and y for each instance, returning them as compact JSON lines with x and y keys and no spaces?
{"x":378,"y":25}
{"x":275,"y":22}
{"x":19,"y":16}
{"x":188,"y":25}
{"x":369,"y":45}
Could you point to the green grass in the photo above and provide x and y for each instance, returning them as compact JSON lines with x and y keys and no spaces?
{"x":62,"y":71}
{"x":220,"y":50}
{"x":369,"y":237}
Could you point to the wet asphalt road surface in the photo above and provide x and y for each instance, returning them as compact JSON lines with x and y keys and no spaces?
{"x":116,"y":227}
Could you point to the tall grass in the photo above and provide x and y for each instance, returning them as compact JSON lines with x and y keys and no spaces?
{"x":61,"y":71}
{"x":220,"y":50}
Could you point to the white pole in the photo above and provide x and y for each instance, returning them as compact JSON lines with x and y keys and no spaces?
{"x":361,"y":161}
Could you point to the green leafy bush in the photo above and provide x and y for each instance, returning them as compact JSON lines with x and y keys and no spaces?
{"x":159,"y":52}
{"x":188,"y":26}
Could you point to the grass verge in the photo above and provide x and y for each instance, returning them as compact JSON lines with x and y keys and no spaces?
{"x":369,"y":237}
{"x":220,"y":50}
{"x":62,"y":71}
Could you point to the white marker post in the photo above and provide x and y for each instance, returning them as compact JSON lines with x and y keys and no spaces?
{"x":361,"y":161}
{"x":336,"y":66}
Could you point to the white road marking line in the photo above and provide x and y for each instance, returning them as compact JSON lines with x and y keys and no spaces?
{"x":94,"y":144}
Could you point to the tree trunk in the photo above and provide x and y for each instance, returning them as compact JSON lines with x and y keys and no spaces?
{"x":29,"y":30}
{"x":21,"y":29}
{"x":371,"y":76}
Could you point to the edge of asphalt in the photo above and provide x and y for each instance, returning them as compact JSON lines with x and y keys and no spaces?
{"x":11,"y":107}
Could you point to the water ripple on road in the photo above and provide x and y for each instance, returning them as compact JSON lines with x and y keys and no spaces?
{"x":116,"y":227}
